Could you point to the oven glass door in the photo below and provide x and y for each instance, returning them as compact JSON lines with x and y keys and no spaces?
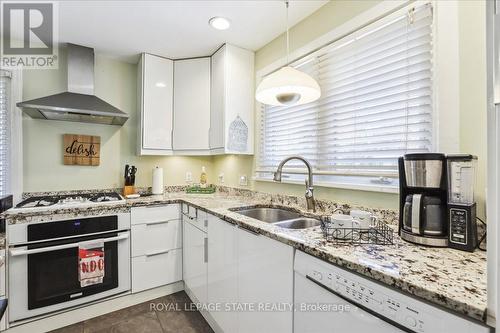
{"x":53,"y":275}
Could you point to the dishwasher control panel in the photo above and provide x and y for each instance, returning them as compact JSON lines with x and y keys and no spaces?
{"x":394,"y":306}
{"x":370,"y":298}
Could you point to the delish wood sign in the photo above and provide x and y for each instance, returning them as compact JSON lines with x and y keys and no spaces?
{"x":81,"y":149}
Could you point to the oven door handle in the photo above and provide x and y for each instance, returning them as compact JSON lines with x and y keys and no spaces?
{"x":22,"y":251}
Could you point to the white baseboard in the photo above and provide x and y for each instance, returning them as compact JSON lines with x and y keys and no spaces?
{"x":93,"y":310}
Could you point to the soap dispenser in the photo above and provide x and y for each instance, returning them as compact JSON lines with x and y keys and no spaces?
{"x":203,"y":177}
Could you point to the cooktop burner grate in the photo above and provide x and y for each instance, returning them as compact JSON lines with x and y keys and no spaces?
{"x":104,"y":197}
{"x":37,"y":202}
{"x":50,"y":200}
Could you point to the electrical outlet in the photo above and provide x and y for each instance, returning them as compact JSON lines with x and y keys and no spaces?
{"x":189,"y":177}
{"x":221,"y":178}
{"x":244,"y":180}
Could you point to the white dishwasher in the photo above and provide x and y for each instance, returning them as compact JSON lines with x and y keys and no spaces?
{"x":329,"y":299}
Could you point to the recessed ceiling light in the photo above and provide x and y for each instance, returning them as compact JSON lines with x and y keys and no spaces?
{"x":219,"y":23}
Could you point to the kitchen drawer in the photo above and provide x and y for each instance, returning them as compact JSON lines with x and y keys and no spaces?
{"x":200,"y":221}
{"x":155,"y":237}
{"x":151,"y":271}
{"x":140,"y":215}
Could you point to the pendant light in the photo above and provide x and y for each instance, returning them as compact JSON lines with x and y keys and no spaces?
{"x":287,"y":86}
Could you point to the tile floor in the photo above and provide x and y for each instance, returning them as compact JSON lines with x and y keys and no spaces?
{"x":141,"y":319}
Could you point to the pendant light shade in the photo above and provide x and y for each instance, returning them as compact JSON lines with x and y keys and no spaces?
{"x":286,"y":87}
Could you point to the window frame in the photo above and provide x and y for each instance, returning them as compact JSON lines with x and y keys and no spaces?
{"x":445,"y":60}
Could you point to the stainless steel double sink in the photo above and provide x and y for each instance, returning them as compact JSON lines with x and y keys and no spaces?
{"x":280,"y":217}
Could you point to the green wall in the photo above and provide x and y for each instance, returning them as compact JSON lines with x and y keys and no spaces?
{"x":115,"y":82}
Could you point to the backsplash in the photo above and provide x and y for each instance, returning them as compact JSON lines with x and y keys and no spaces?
{"x":323,"y":207}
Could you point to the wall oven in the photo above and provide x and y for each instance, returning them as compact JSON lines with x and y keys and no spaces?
{"x":44,"y":263}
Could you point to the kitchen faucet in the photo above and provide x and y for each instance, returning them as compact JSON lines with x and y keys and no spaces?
{"x":309,"y":182}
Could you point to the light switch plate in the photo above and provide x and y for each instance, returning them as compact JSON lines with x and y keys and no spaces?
{"x":243,"y":180}
{"x":189,"y":177}
{"x":221,"y":178}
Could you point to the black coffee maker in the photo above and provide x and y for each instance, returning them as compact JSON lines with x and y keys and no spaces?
{"x":423,"y":199}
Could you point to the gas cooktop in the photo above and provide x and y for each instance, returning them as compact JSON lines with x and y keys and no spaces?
{"x":70,"y":200}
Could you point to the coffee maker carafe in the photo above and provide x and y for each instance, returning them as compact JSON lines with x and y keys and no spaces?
{"x":423,"y":199}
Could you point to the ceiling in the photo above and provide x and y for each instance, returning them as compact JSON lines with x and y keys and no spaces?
{"x":174,"y":29}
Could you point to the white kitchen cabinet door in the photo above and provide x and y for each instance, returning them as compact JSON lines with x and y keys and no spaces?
{"x":195,"y":243}
{"x":232,"y":101}
{"x":222,"y":272}
{"x":155,"y":84}
{"x":217,"y":98}
{"x":191,"y":106}
{"x":265,"y":277}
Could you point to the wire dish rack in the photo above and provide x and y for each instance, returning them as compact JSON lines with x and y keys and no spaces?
{"x":380,"y":233}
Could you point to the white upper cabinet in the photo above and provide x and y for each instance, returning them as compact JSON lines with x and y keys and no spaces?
{"x":232,"y":101}
{"x":197,"y":106}
{"x":191,"y":106}
{"x":155,"y":84}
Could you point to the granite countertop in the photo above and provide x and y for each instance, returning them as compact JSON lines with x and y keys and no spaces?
{"x":453,"y":279}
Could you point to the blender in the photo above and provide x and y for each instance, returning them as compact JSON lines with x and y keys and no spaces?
{"x":462,"y":233}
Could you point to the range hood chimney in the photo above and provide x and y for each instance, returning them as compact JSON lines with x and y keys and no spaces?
{"x":78,"y":103}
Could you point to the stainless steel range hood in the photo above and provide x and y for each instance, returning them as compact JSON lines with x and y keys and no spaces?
{"x":79,"y":103}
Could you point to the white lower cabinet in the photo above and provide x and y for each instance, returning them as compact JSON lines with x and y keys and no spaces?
{"x":156,"y":237}
{"x":229,"y":266}
{"x":222,"y":272}
{"x":265,"y":279}
{"x":154,"y":270}
{"x":195,"y":260}
{"x":156,"y":246}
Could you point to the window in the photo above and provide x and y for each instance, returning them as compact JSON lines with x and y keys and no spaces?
{"x":376,"y":105}
{"x":5,"y":135}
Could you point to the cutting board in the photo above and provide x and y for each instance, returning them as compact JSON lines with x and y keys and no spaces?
{"x":81,"y":149}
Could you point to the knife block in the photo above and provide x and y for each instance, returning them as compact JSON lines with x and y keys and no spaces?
{"x":128,"y":189}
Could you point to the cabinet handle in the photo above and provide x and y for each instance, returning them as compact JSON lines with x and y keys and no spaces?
{"x":206,"y":223}
{"x":157,"y":222}
{"x":155,"y":205}
{"x":24,"y":251}
{"x":205,"y":249}
{"x":250,"y":231}
{"x":157,"y":253}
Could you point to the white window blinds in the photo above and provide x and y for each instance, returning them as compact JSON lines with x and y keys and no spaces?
{"x":376,"y":102}
{"x":5,"y":83}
